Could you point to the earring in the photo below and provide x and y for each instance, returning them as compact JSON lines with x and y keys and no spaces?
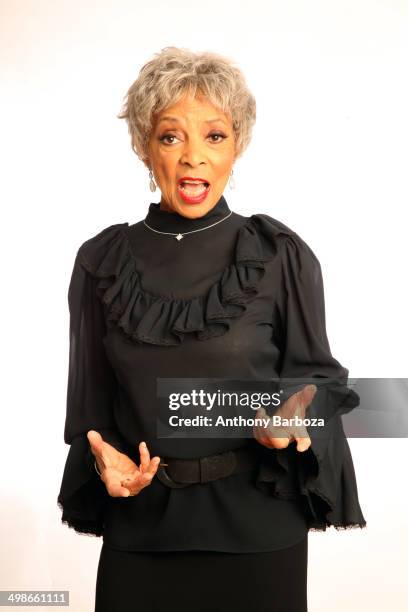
{"x":152,"y":184}
{"x":232,"y":180}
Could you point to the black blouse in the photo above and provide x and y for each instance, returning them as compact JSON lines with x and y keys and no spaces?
{"x":242,"y":299}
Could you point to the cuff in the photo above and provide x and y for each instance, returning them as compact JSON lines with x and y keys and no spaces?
{"x":83,"y":496}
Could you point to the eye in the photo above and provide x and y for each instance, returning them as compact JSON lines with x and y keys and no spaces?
{"x":163,"y":138}
{"x":220,"y":135}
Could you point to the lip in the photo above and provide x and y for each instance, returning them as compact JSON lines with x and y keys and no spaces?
{"x":191,"y":199}
{"x":192,"y":178}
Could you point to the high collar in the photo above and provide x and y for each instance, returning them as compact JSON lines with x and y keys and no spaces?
{"x":165,"y":221}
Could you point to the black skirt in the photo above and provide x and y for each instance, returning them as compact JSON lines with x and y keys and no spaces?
{"x":203,"y":581}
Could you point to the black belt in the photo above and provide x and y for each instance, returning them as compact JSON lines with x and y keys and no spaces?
{"x":177,"y":473}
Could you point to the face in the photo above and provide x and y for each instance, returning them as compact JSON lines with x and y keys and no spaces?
{"x":192,"y":139}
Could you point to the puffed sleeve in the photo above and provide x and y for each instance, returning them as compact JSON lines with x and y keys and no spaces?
{"x":91,"y":392}
{"x":323,"y":476}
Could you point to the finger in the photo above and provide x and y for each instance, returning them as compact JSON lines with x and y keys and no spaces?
{"x":273,"y":440}
{"x":257,"y":432}
{"x":96,"y":444}
{"x":95,"y":441}
{"x":277,"y":431}
{"x":142,"y":479}
{"x":306,"y":396}
{"x":114,"y":486}
{"x":302,"y":444}
{"x":153,"y":466}
{"x":261,"y":433}
{"x":104,"y":453}
{"x":144,"y":456}
{"x":270,"y":434}
{"x":146,"y":478}
{"x":99,"y":447}
{"x":283,"y":433}
{"x":262,"y":437}
{"x":139,"y":482}
{"x":117,"y":490}
{"x":260,"y":413}
{"x":299,"y":401}
{"x":303,"y":441}
{"x":255,"y":427}
{"x":280,"y":443}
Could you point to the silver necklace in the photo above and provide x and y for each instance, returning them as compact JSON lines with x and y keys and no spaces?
{"x":180,"y":236}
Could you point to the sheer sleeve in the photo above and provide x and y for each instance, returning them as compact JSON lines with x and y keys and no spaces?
{"x":323,"y":476}
{"x":91,"y":392}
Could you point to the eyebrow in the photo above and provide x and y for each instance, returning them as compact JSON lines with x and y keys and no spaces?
{"x":175,"y":120}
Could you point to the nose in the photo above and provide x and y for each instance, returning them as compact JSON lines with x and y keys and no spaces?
{"x":193,"y":152}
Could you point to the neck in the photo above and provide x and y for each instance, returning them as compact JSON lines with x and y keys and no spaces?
{"x":162,"y":219}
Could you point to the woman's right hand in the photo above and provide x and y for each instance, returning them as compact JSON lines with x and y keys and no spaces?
{"x":279,"y":437}
{"x":121,"y":475}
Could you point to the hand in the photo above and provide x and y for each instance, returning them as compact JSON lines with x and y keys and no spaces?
{"x":122,"y":477}
{"x":281,"y":436}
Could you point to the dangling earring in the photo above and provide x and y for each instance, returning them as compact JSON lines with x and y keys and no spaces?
{"x":232,"y":180}
{"x":152,"y":184}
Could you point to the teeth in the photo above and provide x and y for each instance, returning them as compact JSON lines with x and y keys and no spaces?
{"x":192,"y":183}
{"x":193,"y":188}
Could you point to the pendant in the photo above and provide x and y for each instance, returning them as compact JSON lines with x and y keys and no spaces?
{"x":179,"y":236}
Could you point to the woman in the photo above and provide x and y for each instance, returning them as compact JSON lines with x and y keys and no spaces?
{"x":195,"y":290}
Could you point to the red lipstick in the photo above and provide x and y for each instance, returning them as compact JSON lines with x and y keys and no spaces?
{"x":193,"y":190}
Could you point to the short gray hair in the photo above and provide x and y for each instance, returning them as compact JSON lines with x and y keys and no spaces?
{"x":173,"y":72}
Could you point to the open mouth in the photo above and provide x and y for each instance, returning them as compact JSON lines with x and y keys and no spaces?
{"x":193,"y":189}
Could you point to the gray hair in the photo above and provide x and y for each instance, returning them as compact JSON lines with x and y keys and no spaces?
{"x":174,"y":72}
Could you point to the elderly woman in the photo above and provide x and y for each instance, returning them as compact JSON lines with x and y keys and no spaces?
{"x":197,"y":291}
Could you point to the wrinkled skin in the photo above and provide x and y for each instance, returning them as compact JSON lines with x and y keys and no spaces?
{"x":121,"y":475}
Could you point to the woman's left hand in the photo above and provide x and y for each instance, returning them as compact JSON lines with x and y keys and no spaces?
{"x":279,"y":437}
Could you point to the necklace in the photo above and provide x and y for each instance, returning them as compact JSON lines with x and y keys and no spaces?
{"x":180,"y":236}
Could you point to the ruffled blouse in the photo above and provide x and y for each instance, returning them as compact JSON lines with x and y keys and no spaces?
{"x":243,"y":298}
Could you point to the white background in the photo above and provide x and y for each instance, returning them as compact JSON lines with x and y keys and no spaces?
{"x":328,"y":158}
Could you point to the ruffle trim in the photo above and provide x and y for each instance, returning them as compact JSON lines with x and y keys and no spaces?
{"x":161,"y":320}
{"x":83,"y":497}
{"x":83,"y":527}
{"x":324,"y":483}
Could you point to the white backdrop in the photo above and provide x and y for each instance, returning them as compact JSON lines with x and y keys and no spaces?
{"x":328,"y":158}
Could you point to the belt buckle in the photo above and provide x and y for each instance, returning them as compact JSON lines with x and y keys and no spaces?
{"x":165,"y":479}
{"x":217,"y":466}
